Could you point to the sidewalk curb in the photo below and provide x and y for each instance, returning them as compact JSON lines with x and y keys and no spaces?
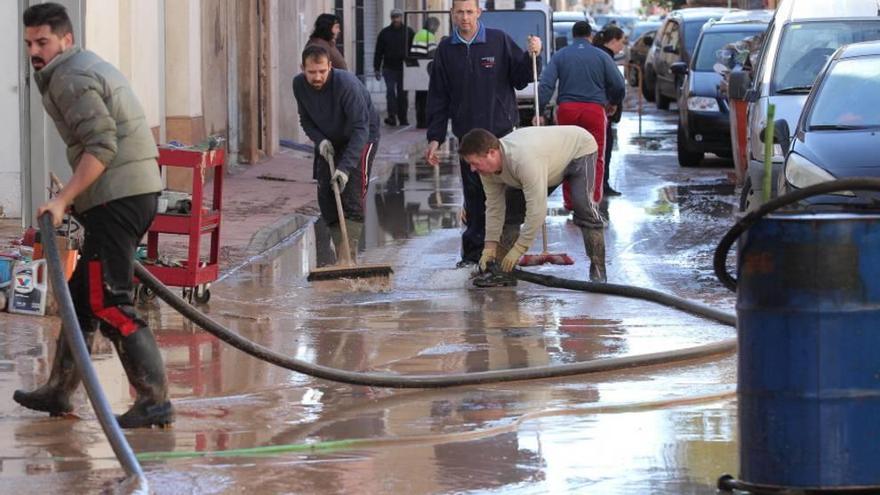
{"x":271,"y":235}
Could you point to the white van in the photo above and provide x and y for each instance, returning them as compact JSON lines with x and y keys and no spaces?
{"x":801,"y":38}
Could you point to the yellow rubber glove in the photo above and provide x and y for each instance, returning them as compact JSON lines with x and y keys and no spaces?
{"x":513,"y":256}
{"x":487,"y":257}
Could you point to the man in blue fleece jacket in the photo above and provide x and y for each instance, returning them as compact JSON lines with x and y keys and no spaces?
{"x":474,"y":78}
{"x":337,"y":114}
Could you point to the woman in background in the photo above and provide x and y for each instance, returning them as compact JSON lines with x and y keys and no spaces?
{"x":612,"y":41}
{"x":327,"y":28}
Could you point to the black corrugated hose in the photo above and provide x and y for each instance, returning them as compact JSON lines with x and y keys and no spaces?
{"x":135,"y":482}
{"x":744,"y":223}
{"x":482,"y":377}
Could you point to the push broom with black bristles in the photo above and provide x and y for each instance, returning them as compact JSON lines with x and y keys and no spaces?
{"x":346,"y":269}
{"x":545,"y":256}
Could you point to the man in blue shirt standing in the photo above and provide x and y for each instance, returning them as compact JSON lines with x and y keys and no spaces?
{"x":474,"y":78}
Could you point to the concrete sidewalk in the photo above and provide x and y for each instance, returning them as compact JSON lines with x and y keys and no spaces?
{"x":262,"y":203}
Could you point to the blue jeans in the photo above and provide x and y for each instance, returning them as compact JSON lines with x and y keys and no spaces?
{"x":395,"y":96}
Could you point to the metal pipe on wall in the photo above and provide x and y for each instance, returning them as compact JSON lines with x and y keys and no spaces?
{"x":233,"y":118}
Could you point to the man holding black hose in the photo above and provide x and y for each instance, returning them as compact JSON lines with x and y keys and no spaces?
{"x":114,"y":192}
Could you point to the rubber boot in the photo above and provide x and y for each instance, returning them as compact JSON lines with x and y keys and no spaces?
{"x":355,"y":230}
{"x":143,"y":365}
{"x":336,"y":236}
{"x":497,"y":278}
{"x":594,"y":244}
{"x":54,"y":396}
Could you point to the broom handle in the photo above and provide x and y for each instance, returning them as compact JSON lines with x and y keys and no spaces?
{"x":345,"y":255}
{"x":538,"y":123}
{"x":544,"y":237}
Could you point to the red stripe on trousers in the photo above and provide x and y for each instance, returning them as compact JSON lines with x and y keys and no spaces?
{"x":590,"y":116}
{"x":112,"y":315}
{"x":365,"y":157}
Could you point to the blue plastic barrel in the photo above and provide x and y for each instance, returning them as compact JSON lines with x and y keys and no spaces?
{"x":808,"y":304}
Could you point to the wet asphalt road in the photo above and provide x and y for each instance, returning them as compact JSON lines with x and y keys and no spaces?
{"x":620,"y":432}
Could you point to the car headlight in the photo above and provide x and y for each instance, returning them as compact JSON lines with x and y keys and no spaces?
{"x":801,"y":173}
{"x":702,"y":104}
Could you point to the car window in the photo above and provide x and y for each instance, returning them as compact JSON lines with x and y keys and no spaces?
{"x":641,"y":29}
{"x":692,"y":31}
{"x":806,"y":47}
{"x":658,"y":39}
{"x":563,"y":29}
{"x":519,"y":24}
{"x":707,"y":52}
{"x":670,"y":35}
{"x":849,"y":95}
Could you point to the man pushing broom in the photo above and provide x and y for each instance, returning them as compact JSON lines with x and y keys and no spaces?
{"x":537,"y":160}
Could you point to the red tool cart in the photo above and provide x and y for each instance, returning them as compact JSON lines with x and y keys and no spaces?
{"x":194,"y":274}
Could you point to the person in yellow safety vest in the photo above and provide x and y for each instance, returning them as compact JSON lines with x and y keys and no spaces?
{"x":423,"y":45}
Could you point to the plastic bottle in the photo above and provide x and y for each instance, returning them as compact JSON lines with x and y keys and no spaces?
{"x":29,"y":290}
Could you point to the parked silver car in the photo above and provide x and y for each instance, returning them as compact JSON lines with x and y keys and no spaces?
{"x":799,"y":42}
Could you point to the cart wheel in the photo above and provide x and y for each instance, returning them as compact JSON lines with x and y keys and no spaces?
{"x":144,"y":294}
{"x":202,"y":294}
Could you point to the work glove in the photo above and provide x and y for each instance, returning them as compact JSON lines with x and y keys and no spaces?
{"x":513,"y":256}
{"x":342,"y":178}
{"x":487,"y":257}
{"x":325,"y":148}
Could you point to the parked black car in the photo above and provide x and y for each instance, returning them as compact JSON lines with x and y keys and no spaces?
{"x":838,"y":134}
{"x":675,"y":42}
{"x":704,"y":116}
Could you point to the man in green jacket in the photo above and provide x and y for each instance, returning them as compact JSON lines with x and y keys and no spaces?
{"x":423,"y":45}
{"x":114,"y":193}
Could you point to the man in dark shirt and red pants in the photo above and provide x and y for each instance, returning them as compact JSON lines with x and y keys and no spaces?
{"x":588,"y":82}
{"x":474,"y":78}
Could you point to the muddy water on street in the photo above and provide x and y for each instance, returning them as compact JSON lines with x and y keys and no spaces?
{"x":543,"y":436}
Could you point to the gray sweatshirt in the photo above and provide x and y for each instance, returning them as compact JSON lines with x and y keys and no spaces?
{"x":533,"y":159}
{"x":342,"y":112}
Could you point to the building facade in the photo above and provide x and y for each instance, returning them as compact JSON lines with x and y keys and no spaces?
{"x":199,"y":68}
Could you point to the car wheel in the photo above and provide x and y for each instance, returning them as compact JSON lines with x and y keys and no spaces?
{"x":648,"y":83}
{"x":661,"y":101}
{"x":687,"y":157}
{"x":747,"y":200}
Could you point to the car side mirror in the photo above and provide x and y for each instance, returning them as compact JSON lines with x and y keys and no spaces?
{"x":679,"y":68}
{"x":781,"y":134}
{"x":669,"y":49}
{"x":560,"y":42}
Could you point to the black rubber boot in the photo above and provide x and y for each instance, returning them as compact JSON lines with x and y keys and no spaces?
{"x":594,"y":243}
{"x":54,"y":396}
{"x":143,"y":365}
